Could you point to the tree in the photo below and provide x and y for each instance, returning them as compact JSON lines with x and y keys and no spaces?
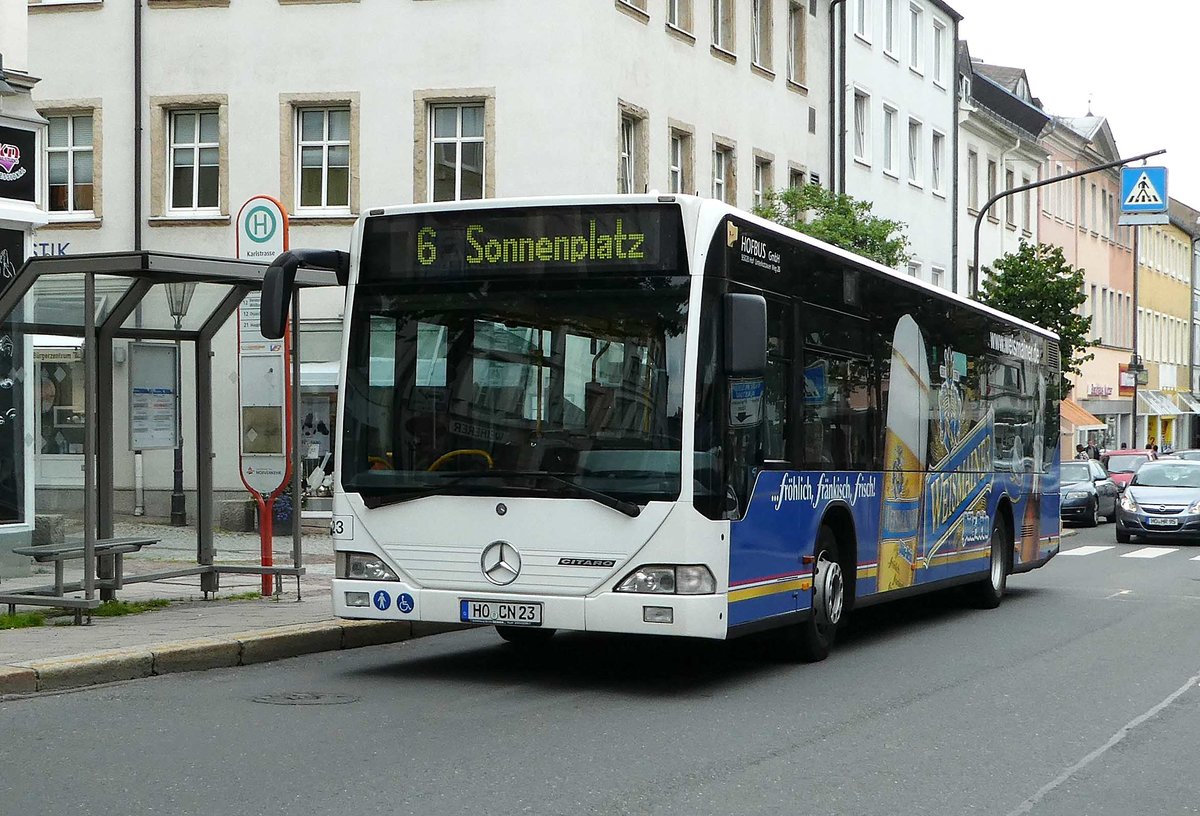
{"x":840,"y":220}
{"x":1036,"y":284}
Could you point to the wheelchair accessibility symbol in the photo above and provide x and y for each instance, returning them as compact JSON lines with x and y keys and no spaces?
{"x":405,"y":603}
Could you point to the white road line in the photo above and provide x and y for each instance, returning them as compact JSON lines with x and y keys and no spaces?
{"x":1088,"y":550}
{"x":1150,"y":552}
{"x":1197,"y":558}
{"x":1029,"y":804}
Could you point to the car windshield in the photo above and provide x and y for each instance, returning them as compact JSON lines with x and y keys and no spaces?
{"x":1126,"y":463}
{"x":1168,"y":474}
{"x":1075,"y":472}
{"x":1188,"y":454}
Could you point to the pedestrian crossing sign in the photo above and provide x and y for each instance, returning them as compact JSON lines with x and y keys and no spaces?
{"x":1144,"y":190}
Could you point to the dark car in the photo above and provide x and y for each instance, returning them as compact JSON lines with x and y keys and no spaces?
{"x":1161,"y":501}
{"x":1122,"y":464}
{"x":1087,"y":493}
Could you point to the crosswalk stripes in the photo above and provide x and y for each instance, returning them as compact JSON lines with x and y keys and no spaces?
{"x":1087,"y":550}
{"x":1197,"y":558}
{"x":1150,"y":552}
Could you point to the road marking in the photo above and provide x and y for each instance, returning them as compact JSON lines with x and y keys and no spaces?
{"x":1088,"y":550}
{"x":1150,"y":552}
{"x":1119,"y":593}
{"x":1197,"y":558}
{"x":1029,"y":804}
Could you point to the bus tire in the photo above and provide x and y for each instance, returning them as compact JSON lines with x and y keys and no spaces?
{"x":525,"y":635}
{"x":811,"y":640}
{"x":988,"y":593}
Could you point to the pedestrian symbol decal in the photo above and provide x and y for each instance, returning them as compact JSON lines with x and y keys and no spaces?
{"x":405,"y":603}
{"x":1143,"y":192}
{"x":382,"y":601}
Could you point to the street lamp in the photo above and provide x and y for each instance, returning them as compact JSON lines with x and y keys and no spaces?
{"x":179,"y":298}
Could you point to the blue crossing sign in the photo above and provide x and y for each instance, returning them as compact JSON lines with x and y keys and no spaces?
{"x":1144,"y":190}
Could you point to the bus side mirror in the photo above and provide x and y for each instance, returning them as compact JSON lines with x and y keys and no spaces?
{"x":745,"y":335}
{"x":280,"y":278}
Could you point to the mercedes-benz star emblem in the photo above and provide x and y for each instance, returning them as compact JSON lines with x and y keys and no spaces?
{"x":501,"y":563}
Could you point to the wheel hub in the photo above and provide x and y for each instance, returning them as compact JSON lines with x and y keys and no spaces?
{"x":828,"y":592}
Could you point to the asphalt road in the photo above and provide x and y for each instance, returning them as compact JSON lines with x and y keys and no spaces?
{"x":1077,"y":696}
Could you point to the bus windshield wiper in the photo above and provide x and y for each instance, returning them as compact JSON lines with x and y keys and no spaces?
{"x":628,"y":508}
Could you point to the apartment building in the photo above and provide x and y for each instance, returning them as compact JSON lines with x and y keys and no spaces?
{"x":1000,"y":123}
{"x":722,"y":98}
{"x":21,"y":171}
{"x":900,"y":124}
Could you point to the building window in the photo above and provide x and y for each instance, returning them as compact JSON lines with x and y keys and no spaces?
{"x":991,"y":182}
{"x":456,"y":152}
{"x":1010,"y":203}
{"x":797,"y":44}
{"x":891,"y":141}
{"x":915,"y":21}
{"x":914,"y":269}
{"x":939,"y":52}
{"x":764,"y":179}
{"x":676,"y":169}
{"x":761,"y":30}
{"x":323,"y":158}
{"x":1025,"y":205}
{"x":632,"y":151}
{"x":70,"y":163}
{"x":682,"y":159}
{"x":679,"y":14}
{"x":936,"y":275}
{"x":972,"y":179}
{"x":722,"y":24}
{"x":889,"y":26}
{"x":1083,"y":210}
{"x":723,"y":180}
{"x":914,"y":151}
{"x":937,"y":160}
{"x":797,"y":177}
{"x":862,"y":126}
{"x":195,"y":151}
{"x":860,"y":19}
{"x":625,"y":168}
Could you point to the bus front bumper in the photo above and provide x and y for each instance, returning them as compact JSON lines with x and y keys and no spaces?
{"x":701,"y":616}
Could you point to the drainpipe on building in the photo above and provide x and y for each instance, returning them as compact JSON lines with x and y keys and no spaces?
{"x":139,"y":474}
{"x":837,"y":107}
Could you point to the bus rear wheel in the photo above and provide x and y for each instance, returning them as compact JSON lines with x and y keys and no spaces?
{"x":525,"y":635}
{"x":988,"y":593}
{"x":811,"y":640}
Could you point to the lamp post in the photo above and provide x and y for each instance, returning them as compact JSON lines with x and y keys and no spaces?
{"x":179,"y":298}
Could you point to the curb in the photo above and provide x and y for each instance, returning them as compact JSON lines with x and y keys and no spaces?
{"x":199,"y":654}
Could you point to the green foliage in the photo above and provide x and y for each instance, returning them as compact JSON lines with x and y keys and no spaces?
{"x":838,"y":219}
{"x":1036,"y":284}
{"x":22,"y":620}
{"x":114,"y":609}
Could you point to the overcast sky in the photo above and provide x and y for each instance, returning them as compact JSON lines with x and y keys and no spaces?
{"x":1137,"y":63}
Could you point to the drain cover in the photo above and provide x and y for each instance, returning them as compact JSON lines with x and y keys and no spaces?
{"x":305,"y":698}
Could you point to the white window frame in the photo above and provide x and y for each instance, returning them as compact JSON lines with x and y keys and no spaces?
{"x":724,"y":158}
{"x":937,"y":163}
{"x":196,"y":146}
{"x":628,"y":147}
{"x":722,"y":25}
{"x":862,"y":23}
{"x":760,"y":33}
{"x":675,"y":163}
{"x":939,"y":53}
{"x":458,"y":140}
{"x":915,"y":151}
{"x":891,"y":140}
{"x":916,"y":20}
{"x":763,"y":179}
{"x":325,"y":143}
{"x":797,"y":67}
{"x":862,"y":126}
{"x":972,"y":179}
{"x":71,"y":150}
{"x":890,"y":20}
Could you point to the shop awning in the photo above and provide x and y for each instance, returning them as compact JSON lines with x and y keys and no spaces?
{"x":1190,"y":403}
{"x":1073,"y":413}
{"x":1156,"y":403}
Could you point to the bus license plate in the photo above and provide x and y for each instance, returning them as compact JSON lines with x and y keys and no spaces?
{"x":504,"y":612}
{"x":1154,"y":521}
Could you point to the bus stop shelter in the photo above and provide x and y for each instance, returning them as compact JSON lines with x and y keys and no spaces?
{"x":145,"y":296}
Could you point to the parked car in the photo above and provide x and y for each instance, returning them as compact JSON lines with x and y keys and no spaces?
{"x":1161,"y":501}
{"x":1190,"y":453}
{"x":1121,"y":464}
{"x":1087,"y":493}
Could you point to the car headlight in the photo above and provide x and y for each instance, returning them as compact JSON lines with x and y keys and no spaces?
{"x":1128,"y":504}
{"x":367,"y":567}
{"x":1078,"y":494}
{"x":1193,"y":508}
{"x":666,"y":579}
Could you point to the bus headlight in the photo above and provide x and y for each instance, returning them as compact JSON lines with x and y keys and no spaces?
{"x":664,"y":579}
{"x":367,"y":567}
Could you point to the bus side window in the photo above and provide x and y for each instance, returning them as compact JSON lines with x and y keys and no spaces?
{"x":779,"y":385}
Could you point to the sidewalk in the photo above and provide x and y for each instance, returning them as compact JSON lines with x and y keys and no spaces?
{"x":237,"y":627}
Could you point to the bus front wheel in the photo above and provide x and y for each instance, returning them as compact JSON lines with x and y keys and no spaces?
{"x":988,"y":593}
{"x":811,"y":640}
{"x":525,"y":635}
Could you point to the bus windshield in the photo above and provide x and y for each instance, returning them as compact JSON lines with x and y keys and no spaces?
{"x":562,"y":381}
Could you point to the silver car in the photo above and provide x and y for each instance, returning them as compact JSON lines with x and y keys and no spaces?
{"x":1162,"y":501}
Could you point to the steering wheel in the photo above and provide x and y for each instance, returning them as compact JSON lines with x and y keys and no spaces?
{"x":446,"y":457}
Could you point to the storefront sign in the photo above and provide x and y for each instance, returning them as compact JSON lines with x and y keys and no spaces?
{"x":1126,"y":381}
{"x":18,"y":164}
{"x":1097,"y":390}
{"x":50,"y":249}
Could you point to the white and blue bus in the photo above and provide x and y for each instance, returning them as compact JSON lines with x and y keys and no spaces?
{"x":661,"y":415}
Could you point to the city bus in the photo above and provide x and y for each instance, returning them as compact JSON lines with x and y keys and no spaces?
{"x":657,"y":414}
